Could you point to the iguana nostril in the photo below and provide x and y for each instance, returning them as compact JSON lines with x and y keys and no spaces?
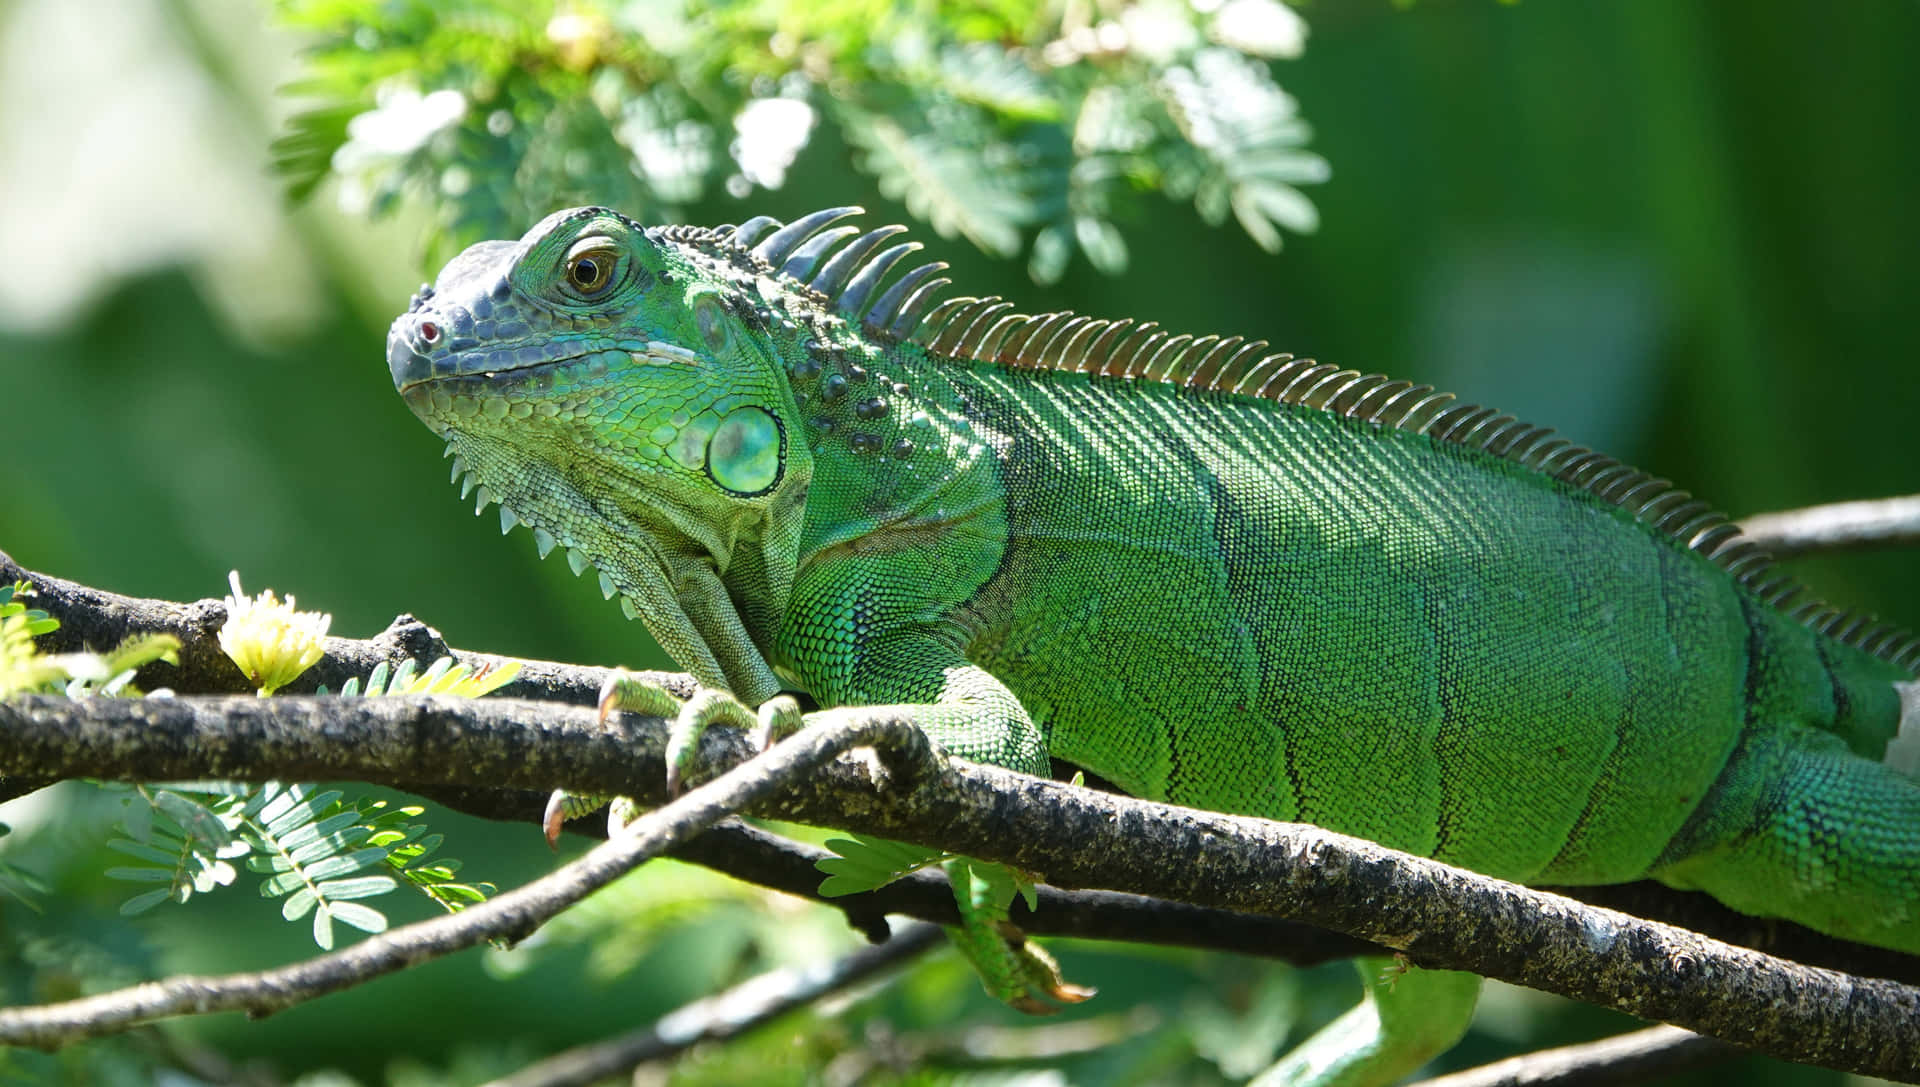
{"x":429,"y":332}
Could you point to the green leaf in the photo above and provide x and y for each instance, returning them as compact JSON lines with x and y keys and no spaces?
{"x":298,"y":903}
{"x":343,"y":863}
{"x":950,"y":168}
{"x":364,"y":887}
{"x":322,"y":927}
{"x":141,"y":875}
{"x":143,"y":902}
{"x":364,"y":918}
{"x":864,"y":863}
{"x":143,"y":851}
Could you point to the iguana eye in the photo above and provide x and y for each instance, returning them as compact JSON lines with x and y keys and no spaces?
{"x":590,"y":271}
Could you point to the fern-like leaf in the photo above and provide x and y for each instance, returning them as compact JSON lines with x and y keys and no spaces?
{"x":309,"y":846}
{"x":865,"y":863}
{"x":442,"y":677}
{"x":408,"y":847}
{"x":186,"y":844}
{"x":946,"y":163}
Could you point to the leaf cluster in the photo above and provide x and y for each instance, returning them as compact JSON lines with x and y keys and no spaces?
{"x":1014,"y":125}
{"x":26,"y":670}
{"x":316,"y":852}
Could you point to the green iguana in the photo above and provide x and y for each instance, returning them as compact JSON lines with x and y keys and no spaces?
{"x":1210,"y":574}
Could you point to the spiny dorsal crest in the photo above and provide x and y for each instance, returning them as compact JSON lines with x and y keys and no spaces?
{"x":988,"y":331}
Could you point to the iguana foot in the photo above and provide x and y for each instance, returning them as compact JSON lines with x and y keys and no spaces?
{"x":1012,"y":968}
{"x":777,"y":718}
{"x":621,"y":691}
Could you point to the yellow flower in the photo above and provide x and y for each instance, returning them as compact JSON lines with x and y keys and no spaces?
{"x":270,"y":641}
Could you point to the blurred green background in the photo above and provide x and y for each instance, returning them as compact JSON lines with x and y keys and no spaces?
{"x":1681,"y":232}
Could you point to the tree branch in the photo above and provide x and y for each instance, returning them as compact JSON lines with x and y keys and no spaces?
{"x":724,"y":1015}
{"x":1438,"y":916}
{"x":1621,"y":1060}
{"x":512,"y":915}
{"x":1840,"y":526}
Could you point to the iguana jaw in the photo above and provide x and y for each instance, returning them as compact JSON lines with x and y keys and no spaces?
{"x":416,"y":374}
{"x":642,"y":548}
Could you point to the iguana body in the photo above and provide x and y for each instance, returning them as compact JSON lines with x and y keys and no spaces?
{"x":1209,"y":575}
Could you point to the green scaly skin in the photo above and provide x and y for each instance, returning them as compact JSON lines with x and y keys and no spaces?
{"x":1210,"y":576}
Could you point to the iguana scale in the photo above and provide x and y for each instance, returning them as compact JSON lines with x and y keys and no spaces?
{"x":1210,"y":574}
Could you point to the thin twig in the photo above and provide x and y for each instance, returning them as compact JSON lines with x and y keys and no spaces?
{"x":1623,"y":1059}
{"x":512,"y":915}
{"x":1840,"y":526}
{"x":724,"y":1015}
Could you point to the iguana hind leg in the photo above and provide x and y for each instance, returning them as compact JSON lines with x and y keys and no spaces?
{"x":1406,"y":1018}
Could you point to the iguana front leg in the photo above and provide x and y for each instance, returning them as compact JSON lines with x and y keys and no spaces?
{"x":959,"y":706}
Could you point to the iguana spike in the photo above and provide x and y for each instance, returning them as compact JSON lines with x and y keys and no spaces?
{"x":1304,"y":380}
{"x":607,"y":588}
{"x":781,"y":244}
{"x":974,"y":342}
{"x":543,"y":541}
{"x":836,"y":273}
{"x":1356,"y":389}
{"x":577,"y":561}
{"x":1328,"y":389}
{"x":1519,"y":438}
{"x":1026,"y":345}
{"x":1394,"y":409}
{"x":998,"y":342}
{"x":1207,"y":371}
{"x":852,"y":302}
{"x":1120,"y":362}
{"x":959,"y":334}
{"x":748,"y":233}
{"x":1476,"y":438}
{"x":1161,"y":366}
{"x":508,"y":519}
{"x":800,"y":264}
{"x":1095,"y":354}
{"x":1053,"y":354}
{"x":1261,"y":371}
{"x":1699,"y":526}
{"x":886,"y":308}
{"x":915,"y":305}
{"x":1709,"y":542}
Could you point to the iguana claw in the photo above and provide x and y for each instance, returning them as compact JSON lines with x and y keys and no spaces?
{"x":554,"y":818}
{"x":777,"y":718}
{"x":1011,"y":967}
{"x":621,"y":690}
{"x":707,"y":707}
{"x":1041,"y":971}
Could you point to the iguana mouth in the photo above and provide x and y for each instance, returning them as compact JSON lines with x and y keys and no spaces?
{"x":415,"y":359}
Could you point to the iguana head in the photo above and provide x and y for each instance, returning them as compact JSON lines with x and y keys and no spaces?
{"x":617,"y":389}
